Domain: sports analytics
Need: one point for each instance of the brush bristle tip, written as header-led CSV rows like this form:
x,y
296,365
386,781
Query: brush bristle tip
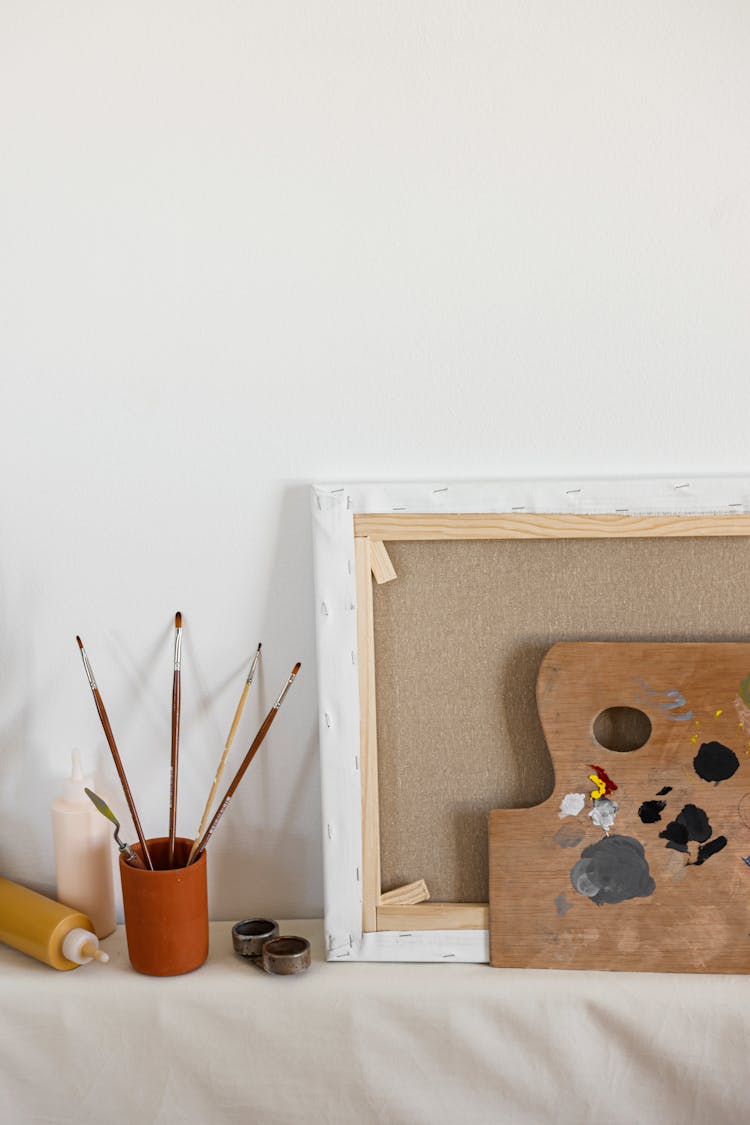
x,y
178,620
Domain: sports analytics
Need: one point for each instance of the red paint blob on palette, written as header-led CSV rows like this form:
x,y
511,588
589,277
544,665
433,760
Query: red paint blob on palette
x,y
609,785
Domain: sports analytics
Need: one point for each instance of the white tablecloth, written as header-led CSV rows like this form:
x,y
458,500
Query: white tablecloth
x,y
360,1043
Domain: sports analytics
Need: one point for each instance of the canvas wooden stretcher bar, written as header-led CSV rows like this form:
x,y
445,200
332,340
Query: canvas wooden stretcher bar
x,y
435,605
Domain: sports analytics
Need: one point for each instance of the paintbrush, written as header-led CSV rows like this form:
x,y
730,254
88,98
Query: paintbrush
x,y
225,755
264,728
175,736
131,857
115,753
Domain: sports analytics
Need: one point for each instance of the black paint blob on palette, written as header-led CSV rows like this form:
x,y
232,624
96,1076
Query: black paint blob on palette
x,y
650,811
715,762
709,849
690,824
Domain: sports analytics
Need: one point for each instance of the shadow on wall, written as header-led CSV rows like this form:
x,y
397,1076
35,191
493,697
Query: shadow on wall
x,y
276,869
278,863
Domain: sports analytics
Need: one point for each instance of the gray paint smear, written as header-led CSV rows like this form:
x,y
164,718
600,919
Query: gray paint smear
x,y
562,906
677,700
613,870
672,701
569,835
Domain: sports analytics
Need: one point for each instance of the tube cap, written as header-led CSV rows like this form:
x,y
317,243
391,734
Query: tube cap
x,y
81,946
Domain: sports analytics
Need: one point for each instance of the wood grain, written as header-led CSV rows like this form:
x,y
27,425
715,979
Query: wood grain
x,y
408,895
698,917
382,567
368,759
413,526
435,916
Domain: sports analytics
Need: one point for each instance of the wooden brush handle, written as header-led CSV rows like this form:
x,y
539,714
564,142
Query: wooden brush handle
x,y
121,774
220,770
235,782
173,766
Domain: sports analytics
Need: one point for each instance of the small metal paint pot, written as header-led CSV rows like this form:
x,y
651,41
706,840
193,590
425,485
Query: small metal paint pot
x,y
249,936
286,955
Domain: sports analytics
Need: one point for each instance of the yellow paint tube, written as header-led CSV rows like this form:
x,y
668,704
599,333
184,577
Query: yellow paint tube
x,y
45,929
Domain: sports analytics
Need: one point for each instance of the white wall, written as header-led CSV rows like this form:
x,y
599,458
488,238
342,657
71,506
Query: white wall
x,y
246,246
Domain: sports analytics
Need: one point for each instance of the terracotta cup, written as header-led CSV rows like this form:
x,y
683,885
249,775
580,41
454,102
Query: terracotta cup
x,y
166,910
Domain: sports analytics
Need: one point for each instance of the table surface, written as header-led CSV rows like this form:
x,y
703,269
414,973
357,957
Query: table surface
x,y
359,1043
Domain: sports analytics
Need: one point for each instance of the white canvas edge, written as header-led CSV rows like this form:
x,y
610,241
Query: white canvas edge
x,y
333,510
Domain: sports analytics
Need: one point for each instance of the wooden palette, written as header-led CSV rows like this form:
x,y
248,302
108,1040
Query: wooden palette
x,y
670,894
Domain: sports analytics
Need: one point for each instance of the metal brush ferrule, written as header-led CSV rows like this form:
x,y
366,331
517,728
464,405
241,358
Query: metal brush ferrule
x,y
253,666
283,691
178,649
88,669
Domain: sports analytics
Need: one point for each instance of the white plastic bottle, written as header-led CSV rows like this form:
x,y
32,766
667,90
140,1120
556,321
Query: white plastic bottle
x,y
83,853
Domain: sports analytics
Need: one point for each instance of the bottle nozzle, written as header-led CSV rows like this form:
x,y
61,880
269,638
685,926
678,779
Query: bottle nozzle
x,y
88,949
74,785
81,946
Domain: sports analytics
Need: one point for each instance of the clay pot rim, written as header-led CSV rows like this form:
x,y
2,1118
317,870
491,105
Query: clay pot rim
x,y
138,872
